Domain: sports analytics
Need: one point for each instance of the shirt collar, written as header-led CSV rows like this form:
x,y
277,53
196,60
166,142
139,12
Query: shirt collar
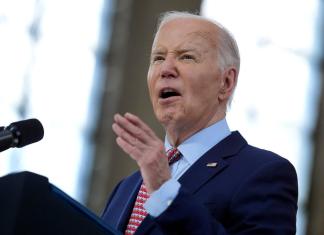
x,y
199,143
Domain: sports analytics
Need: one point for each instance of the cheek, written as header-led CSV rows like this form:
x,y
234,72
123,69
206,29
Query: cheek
x,y
203,91
150,83
151,94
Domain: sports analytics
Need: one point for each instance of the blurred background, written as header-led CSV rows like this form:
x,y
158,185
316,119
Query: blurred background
x,y
73,64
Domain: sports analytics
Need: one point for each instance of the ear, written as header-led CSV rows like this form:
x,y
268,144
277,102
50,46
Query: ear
x,y
228,84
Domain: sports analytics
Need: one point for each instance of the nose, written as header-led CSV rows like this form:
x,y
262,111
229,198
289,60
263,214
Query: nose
x,y
169,68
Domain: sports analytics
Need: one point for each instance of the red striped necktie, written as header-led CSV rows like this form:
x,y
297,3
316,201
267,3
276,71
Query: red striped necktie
x,y
139,213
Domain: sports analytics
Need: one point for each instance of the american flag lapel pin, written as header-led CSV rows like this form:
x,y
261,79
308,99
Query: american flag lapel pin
x,y
211,164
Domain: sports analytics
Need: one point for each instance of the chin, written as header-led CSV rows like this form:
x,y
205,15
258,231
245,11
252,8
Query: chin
x,y
169,119
165,117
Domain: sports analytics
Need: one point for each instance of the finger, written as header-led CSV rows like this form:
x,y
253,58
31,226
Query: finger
x,y
139,123
132,129
120,132
129,149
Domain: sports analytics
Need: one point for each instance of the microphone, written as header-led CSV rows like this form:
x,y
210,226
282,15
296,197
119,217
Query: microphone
x,y
21,133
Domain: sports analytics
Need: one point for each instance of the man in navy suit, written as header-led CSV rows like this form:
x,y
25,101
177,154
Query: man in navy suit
x,y
220,184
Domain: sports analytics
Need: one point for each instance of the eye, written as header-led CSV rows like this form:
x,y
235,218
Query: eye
x,y
157,58
187,57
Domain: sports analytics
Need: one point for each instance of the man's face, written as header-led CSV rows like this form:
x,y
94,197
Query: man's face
x,y
183,79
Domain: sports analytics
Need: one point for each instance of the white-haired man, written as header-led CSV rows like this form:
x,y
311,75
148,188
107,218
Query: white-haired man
x,y
204,179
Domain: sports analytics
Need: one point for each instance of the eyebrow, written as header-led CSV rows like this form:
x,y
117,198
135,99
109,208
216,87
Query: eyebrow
x,y
178,51
157,52
185,50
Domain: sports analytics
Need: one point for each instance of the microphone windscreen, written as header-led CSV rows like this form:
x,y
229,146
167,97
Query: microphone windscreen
x,y
27,131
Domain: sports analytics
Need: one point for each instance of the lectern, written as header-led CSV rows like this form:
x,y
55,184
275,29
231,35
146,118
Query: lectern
x,y
30,205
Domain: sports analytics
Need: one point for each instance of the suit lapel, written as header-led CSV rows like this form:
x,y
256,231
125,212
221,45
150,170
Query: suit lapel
x,y
211,163
201,173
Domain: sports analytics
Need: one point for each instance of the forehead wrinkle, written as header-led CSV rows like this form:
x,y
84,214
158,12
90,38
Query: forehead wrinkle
x,y
206,36
188,45
196,45
180,48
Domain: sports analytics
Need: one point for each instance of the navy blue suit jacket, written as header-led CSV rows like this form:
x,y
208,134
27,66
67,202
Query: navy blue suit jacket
x,y
250,191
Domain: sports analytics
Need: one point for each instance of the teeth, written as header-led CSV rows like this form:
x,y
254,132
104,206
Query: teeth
x,y
168,90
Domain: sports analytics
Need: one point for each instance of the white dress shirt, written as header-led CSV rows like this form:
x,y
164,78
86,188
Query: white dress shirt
x,y
191,149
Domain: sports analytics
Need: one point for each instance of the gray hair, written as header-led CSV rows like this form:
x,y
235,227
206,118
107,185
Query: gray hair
x,y
227,49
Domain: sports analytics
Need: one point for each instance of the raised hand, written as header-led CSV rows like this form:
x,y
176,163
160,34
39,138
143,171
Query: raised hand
x,y
139,141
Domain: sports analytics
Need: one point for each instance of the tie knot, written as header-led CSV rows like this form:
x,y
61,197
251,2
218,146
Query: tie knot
x,y
173,155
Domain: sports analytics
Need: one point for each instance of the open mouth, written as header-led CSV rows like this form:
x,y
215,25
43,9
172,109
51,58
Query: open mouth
x,y
168,92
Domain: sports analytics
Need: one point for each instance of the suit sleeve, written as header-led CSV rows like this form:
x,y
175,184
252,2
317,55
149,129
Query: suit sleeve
x,y
264,203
